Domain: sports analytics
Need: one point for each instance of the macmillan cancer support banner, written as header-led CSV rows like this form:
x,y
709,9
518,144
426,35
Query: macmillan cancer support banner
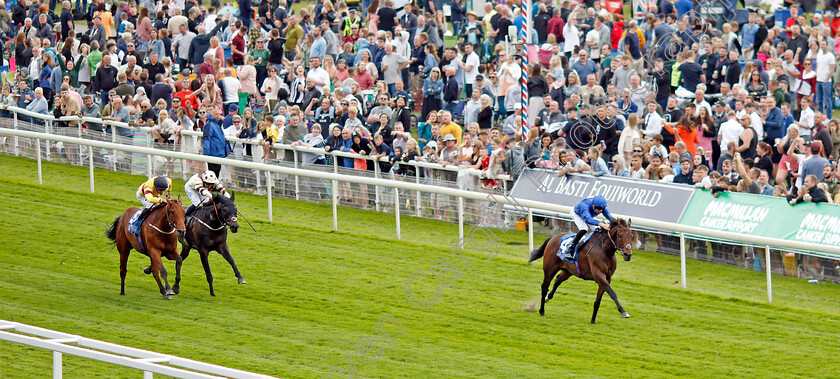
x,y
625,196
765,216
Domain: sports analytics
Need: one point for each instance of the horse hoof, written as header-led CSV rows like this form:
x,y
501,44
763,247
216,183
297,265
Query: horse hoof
x,y
242,281
147,270
625,315
592,322
176,290
167,297
170,292
542,313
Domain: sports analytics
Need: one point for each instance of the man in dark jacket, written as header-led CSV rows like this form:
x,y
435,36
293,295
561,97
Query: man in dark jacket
x,y
213,140
451,92
810,192
201,42
105,79
161,90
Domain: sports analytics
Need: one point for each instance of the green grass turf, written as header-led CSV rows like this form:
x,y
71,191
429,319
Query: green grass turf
x,y
313,293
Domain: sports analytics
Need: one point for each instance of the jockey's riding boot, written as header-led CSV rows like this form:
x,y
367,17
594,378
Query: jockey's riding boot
x,y
571,252
189,210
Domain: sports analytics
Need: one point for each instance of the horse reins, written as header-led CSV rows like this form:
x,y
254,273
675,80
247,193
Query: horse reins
x,y
225,223
613,241
168,220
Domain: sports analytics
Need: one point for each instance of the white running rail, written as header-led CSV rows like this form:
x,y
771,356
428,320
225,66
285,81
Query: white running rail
x,y
147,361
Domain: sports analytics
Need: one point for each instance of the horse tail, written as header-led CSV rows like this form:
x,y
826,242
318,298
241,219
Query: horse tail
x,y
111,232
538,252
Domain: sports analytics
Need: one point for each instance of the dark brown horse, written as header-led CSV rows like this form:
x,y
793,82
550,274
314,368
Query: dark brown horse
x,y
207,231
596,259
159,240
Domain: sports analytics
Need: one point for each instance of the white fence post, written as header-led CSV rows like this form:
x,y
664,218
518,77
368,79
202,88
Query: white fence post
x,y
769,274
682,259
297,178
149,156
397,210
38,153
460,218
15,126
148,375
530,229
335,194
376,187
57,368
90,161
417,180
269,182
113,140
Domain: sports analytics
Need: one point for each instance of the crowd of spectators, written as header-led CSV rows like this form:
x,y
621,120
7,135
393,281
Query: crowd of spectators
x,y
674,97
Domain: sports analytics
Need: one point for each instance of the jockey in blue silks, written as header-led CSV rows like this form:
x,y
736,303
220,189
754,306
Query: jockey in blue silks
x,y
584,213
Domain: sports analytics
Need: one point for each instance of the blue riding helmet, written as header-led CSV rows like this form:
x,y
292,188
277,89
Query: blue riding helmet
x,y
599,201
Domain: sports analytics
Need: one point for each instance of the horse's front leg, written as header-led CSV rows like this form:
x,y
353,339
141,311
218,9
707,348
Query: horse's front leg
x,y
597,303
557,282
174,256
604,283
224,250
156,267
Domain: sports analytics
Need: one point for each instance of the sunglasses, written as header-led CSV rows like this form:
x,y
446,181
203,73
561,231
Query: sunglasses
x,y
637,151
202,112
237,122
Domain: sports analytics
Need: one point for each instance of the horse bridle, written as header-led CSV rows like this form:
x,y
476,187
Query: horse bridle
x,y
168,220
225,223
618,248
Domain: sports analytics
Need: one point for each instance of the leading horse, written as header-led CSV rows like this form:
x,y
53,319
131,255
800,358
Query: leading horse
x,y
159,239
596,261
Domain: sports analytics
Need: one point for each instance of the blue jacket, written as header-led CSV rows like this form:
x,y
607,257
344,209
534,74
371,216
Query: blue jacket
x,y
433,88
600,168
584,209
774,124
213,141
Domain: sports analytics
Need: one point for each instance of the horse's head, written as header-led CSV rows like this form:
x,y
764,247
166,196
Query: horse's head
x,y
175,215
622,237
227,210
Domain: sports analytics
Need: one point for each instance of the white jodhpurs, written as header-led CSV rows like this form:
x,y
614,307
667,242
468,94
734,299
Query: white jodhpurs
x,y
581,225
196,198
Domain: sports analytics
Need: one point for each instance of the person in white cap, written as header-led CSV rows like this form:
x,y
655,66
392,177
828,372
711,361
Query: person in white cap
x,y
199,188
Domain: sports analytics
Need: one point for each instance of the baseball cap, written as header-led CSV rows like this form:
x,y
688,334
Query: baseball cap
x,y
233,107
816,147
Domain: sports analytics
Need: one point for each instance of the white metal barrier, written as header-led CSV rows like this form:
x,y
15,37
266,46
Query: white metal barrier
x,y
527,205
147,361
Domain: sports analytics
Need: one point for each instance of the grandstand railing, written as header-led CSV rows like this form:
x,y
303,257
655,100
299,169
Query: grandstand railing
x,y
458,197
147,361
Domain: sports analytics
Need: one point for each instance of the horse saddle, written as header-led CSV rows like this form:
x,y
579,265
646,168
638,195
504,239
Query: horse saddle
x,y
134,223
565,241
134,227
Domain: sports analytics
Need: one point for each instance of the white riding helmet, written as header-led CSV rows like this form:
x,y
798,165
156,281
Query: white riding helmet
x,y
209,177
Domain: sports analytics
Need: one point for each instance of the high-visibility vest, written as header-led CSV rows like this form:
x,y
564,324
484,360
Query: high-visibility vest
x,y
349,24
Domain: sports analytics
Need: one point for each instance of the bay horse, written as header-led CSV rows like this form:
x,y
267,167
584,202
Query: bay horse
x,y
596,261
207,231
159,240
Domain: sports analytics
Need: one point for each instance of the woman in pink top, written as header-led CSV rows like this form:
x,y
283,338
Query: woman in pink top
x,y
248,76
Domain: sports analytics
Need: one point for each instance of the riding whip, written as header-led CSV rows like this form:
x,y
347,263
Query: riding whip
x,y
246,220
